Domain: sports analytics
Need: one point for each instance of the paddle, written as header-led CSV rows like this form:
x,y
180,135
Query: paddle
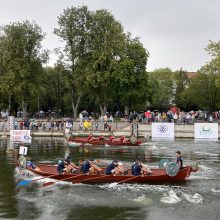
x,y
68,178
123,181
26,182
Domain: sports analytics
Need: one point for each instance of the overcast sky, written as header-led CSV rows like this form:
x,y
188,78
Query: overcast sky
x,y
175,32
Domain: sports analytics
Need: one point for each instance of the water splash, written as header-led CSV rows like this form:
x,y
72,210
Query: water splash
x,y
170,198
195,198
215,190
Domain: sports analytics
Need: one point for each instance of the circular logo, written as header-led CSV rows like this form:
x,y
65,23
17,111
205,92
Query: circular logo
x,y
162,128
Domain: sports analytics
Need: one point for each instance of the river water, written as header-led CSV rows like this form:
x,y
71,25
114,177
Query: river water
x,y
196,198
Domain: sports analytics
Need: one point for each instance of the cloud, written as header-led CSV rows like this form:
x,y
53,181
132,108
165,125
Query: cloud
x,y
174,32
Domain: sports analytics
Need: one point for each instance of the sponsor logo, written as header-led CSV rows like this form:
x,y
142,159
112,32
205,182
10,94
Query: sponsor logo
x,y
206,131
162,128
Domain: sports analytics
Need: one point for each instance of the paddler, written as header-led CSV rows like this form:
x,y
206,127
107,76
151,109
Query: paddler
x,y
90,137
71,167
111,138
101,138
89,167
179,160
123,139
138,169
61,168
114,168
30,164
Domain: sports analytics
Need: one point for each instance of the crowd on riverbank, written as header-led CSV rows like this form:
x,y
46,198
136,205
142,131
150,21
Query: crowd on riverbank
x,y
107,122
175,116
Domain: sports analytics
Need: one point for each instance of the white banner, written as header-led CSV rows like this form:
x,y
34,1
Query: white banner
x,y
23,136
162,130
206,130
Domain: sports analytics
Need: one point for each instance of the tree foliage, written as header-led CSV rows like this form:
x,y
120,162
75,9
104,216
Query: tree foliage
x,y
21,60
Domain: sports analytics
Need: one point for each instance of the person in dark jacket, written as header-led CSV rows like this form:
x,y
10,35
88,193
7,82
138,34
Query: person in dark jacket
x,y
179,159
89,167
114,169
138,169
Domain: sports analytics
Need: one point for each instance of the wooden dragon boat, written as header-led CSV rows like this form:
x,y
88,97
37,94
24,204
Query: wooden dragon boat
x,y
158,175
94,141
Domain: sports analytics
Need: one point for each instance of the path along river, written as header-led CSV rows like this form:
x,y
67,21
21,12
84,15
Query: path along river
x,y
197,198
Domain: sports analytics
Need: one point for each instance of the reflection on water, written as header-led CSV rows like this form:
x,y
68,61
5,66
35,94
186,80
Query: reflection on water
x,y
197,198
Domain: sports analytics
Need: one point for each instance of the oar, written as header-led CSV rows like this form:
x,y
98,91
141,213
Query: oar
x,y
26,182
68,178
123,181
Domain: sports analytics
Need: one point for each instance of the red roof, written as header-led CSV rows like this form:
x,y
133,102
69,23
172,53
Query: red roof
x,y
191,74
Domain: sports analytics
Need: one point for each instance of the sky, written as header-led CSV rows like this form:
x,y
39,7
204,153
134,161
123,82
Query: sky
x,y
175,32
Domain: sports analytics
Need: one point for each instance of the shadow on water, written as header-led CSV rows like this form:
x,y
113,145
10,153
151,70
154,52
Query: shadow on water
x,y
8,201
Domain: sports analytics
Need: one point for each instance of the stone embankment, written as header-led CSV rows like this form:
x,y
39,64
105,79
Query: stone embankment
x,y
181,131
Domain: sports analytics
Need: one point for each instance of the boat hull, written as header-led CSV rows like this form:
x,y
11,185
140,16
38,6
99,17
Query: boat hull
x,y
158,175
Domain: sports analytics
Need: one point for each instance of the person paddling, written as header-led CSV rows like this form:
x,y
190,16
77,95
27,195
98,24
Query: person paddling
x,y
123,139
179,159
115,169
30,164
89,167
90,137
139,169
61,167
101,138
71,167
111,138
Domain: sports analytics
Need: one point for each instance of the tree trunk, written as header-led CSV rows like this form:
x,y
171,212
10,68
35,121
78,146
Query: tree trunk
x,y
126,110
75,107
103,109
24,109
9,104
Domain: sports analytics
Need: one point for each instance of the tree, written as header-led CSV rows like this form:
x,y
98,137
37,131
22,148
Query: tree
x,y
22,59
181,82
73,31
130,76
56,86
202,91
161,88
106,46
213,66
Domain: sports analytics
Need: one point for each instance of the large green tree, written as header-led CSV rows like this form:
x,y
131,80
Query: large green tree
x,y
181,81
130,76
202,91
73,30
106,45
22,58
161,88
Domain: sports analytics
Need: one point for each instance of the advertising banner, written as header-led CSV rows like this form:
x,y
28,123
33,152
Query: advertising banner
x,y
206,130
23,136
163,130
